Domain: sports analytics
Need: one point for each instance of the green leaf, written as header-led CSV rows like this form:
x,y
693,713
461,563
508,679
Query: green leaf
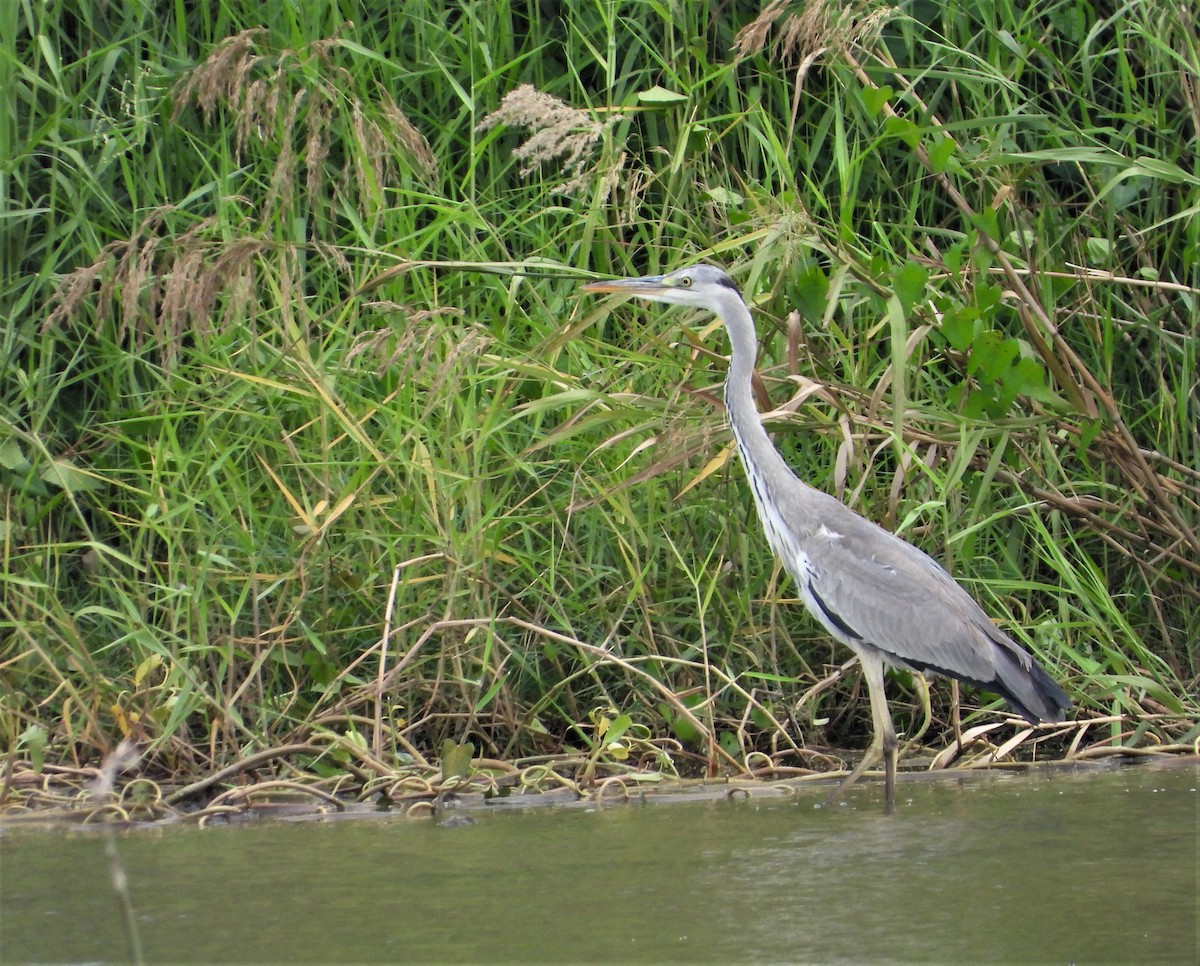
x,y
875,97
991,354
1150,168
987,222
1034,385
12,457
486,698
909,284
456,759
904,129
67,476
681,727
729,743
1099,249
660,95
1162,170
1028,376
616,728
725,197
761,719
34,739
987,299
1153,689
958,327
1088,431
940,153
812,293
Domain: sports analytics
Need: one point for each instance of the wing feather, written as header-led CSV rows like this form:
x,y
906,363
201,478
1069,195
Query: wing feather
x,y
873,589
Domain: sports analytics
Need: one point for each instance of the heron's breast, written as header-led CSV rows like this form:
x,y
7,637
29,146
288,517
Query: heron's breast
x,y
780,536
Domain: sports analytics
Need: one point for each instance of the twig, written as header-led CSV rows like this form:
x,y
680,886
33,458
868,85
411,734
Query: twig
x,y
250,761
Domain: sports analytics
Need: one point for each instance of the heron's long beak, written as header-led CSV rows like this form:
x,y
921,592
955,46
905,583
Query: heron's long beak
x,y
628,286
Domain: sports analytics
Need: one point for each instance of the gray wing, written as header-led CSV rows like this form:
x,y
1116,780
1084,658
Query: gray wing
x,y
884,593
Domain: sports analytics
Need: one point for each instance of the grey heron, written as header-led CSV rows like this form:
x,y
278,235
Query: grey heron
x,y
886,600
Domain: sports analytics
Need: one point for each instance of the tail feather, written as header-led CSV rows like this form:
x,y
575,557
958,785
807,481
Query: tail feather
x,y
1033,694
1017,677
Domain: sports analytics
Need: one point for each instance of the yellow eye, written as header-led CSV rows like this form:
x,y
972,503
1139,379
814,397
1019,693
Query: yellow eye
x,y
686,281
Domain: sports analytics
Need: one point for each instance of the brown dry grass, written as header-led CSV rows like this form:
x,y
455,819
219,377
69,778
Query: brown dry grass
x,y
805,30
289,97
159,288
561,133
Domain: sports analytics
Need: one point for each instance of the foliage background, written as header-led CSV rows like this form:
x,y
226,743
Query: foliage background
x,y
295,359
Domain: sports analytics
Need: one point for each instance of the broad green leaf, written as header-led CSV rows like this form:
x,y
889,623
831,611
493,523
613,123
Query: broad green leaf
x,y
723,196
940,153
67,476
617,727
904,129
812,292
12,457
958,327
875,97
987,223
909,284
991,354
456,759
660,95
33,740
1099,249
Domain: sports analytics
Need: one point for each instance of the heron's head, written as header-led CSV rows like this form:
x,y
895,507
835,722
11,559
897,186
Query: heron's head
x,y
705,286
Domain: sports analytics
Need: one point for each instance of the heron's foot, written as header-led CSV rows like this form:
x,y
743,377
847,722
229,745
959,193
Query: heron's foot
x,y
872,755
877,750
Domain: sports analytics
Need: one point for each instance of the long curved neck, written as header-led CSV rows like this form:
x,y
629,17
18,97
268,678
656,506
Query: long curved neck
x,y
759,455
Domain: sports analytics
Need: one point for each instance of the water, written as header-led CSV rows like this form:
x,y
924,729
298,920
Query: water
x,y
1058,867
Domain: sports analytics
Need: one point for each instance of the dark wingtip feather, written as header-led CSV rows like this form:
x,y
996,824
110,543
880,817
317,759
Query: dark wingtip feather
x,y
1031,692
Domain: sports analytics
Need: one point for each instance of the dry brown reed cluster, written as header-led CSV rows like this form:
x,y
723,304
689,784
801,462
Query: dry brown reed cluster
x,y
414,345
171,282
160,284
560,132
806,30
270,95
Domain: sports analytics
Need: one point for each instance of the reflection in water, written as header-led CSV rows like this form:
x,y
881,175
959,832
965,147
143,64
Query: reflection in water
x,y
1043,867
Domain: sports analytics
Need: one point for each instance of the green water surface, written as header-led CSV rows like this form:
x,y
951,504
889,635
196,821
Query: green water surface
x,y
1057,867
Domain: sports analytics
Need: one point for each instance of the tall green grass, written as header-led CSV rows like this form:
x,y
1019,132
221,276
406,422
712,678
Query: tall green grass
x,y
295,360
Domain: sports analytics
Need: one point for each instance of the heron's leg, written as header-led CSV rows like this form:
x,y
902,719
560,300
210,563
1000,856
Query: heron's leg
x,y
956,713
870,756
884,743
923,688
889,744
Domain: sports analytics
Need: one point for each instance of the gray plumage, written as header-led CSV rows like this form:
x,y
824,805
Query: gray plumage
x,y
882,597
